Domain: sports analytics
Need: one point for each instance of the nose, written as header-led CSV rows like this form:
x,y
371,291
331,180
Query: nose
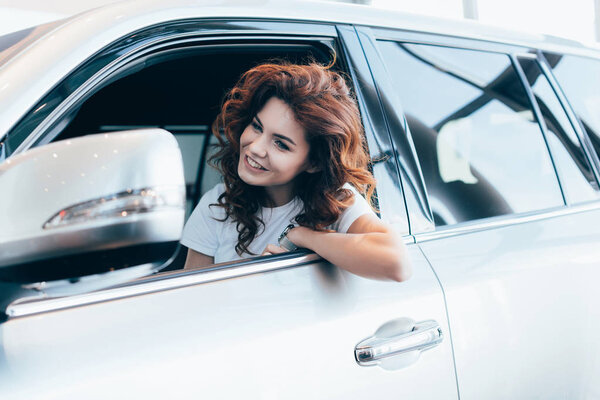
x,y
258,146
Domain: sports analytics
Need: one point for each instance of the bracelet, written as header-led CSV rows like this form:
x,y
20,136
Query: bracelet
x,y
283,240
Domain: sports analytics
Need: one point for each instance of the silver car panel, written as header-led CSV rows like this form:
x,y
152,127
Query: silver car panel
x,y
288,333
522,306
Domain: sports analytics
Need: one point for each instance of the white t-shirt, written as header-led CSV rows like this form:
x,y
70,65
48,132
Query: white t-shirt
x,y
205,234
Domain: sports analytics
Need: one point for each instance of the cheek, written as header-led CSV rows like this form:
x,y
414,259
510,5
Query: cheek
x,y
293,164
245,137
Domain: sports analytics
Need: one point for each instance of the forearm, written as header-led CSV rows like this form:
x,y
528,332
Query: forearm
x,y
379,255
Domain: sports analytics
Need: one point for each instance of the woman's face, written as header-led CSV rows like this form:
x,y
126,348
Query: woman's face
x,y
273,151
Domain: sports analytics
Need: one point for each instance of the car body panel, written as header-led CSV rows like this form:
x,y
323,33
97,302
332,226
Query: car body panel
x,y
522,302
281,334
519,289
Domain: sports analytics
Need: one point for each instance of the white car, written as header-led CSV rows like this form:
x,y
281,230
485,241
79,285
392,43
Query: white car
x,y
484,144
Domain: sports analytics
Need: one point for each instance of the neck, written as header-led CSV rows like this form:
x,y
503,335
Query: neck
x,y
279,195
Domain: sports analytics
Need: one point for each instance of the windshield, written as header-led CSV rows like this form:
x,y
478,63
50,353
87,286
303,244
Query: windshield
x,y
12,43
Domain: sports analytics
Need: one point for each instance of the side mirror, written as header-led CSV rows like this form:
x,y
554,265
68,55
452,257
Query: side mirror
x,y
89,205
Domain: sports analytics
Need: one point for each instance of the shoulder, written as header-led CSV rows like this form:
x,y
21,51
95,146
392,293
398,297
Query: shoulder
x,y
214,193
211,197
351,187
357,208
356,195
205,206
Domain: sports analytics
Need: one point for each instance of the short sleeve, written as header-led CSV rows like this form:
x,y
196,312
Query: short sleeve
x,y
349,215
201,229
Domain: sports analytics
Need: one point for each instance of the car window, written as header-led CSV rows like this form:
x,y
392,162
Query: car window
x,y
183,95
480,147
573,167
579,77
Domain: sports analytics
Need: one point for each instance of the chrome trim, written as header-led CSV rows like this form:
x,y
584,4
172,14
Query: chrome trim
x,y
441,40
85,284
146,49
162,282
118,205
423,336
501,221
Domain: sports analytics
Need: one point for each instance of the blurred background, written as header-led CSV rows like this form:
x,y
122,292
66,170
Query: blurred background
x,y
574,19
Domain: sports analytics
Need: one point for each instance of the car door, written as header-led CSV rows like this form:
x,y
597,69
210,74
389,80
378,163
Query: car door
x,y
512,200
284,326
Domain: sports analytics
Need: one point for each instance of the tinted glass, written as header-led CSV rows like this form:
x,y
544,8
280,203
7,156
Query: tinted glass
x,y
481,150
577,178
579,78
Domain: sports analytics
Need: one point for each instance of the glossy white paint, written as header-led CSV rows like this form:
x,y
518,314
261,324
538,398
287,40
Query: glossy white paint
x,y
521,297
523,307
282,334
65,173
79,37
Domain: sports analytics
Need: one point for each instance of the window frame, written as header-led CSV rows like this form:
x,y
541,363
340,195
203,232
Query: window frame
x,y
582,134
541,121
42,120
420,215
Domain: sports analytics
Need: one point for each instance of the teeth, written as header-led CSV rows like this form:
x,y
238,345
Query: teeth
x,y
253,163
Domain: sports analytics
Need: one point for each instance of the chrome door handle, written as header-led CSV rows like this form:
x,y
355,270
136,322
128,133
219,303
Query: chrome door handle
x,y
398,337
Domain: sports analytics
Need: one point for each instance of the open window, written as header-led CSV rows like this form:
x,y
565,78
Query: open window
x,y
180,89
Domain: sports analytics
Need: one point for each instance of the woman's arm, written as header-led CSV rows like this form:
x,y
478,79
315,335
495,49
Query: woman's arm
x,y
196,260
370,248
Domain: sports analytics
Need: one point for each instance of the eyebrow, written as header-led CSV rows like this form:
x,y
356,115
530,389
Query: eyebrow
x,y
277,135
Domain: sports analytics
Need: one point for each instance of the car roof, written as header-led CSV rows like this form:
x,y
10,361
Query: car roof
x,y
72,40
340,12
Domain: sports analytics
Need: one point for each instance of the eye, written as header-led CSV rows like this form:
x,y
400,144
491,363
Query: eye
x,y
281,145
256,126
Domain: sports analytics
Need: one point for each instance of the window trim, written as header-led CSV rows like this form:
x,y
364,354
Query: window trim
x,y
514,58
162,282
54,106
502,221
42,133
179,279
588,148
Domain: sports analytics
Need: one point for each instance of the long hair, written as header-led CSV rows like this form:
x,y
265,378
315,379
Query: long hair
x,y
324,106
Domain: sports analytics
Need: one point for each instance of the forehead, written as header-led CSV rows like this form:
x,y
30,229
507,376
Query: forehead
x,y
277,117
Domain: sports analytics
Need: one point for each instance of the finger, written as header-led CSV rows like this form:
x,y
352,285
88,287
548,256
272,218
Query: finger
x,y
273,249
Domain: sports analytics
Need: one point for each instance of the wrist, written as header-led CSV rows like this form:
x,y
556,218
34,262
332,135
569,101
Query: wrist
x,y
300,236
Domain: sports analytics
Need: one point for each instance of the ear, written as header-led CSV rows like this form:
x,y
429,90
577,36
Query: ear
x,y
312,169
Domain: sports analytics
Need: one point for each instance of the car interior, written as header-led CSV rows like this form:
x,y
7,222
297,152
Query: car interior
x,y
181,91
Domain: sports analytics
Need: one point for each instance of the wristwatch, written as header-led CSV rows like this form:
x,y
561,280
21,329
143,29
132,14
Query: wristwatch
x,y
284,242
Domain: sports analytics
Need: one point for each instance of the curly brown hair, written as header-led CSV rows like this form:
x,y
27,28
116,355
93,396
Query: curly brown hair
x,y
325,107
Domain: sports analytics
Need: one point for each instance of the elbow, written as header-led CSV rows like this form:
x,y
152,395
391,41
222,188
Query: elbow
x,y
400,271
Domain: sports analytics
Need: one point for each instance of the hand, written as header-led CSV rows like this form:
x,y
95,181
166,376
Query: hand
x,y
302,235
273,249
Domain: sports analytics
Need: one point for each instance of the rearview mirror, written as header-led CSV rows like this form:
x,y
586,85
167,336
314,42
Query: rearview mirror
x,y
89,205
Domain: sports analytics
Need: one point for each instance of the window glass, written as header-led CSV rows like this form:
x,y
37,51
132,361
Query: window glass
x,y
481,150
579,78
577,178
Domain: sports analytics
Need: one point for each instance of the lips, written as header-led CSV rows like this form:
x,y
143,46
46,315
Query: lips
x,y
255,165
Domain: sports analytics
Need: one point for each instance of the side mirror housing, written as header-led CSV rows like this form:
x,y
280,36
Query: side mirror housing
x,y
90,205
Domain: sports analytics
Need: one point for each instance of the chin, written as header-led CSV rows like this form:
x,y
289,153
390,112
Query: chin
x,y
247,178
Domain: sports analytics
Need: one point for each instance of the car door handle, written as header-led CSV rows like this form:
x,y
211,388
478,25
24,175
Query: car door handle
x,y
401,341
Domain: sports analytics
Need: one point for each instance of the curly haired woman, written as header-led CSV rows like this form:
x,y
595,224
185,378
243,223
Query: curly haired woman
x,y
293,159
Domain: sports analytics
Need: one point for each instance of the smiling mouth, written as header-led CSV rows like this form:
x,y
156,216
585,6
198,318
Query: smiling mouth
x,y
254,164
